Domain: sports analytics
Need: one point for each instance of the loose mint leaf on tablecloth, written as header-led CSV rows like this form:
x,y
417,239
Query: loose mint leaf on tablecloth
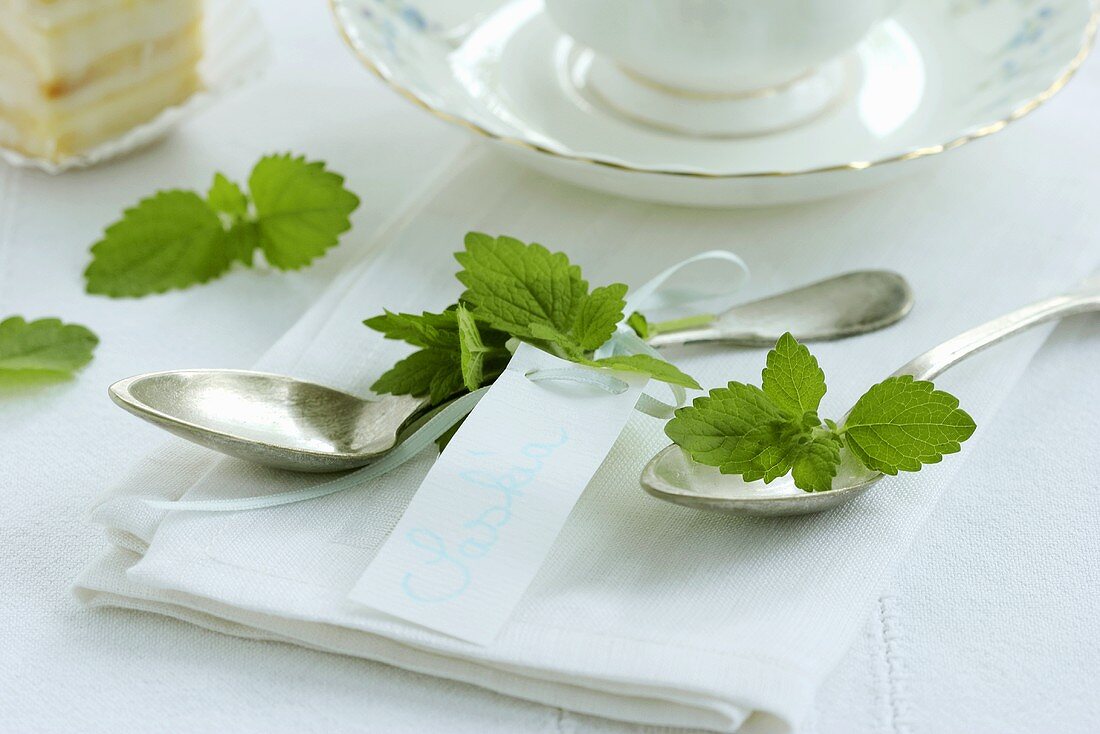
x,y
598,316
301,208
46,345
432,371
226,197
658,369
177,238
711,428
901,424
514,285
793,379
173,239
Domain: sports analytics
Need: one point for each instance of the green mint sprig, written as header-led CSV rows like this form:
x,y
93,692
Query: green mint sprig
x,y
46,345
293,212
773,430
516,291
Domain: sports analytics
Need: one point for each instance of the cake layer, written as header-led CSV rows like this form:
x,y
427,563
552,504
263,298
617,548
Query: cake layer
x,y
61,52
63,134
46,14
20,89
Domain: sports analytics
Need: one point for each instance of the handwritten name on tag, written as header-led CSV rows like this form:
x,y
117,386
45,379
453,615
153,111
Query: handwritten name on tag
x,y
487,513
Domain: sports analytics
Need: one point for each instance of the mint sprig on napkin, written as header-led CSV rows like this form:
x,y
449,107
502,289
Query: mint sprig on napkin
x,y
773,430
514,290
45,345
293,212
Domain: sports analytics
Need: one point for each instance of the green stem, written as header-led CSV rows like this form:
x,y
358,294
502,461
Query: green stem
x,y
688,322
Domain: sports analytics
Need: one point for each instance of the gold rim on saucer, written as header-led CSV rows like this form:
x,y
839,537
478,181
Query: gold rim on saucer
x,y
925,152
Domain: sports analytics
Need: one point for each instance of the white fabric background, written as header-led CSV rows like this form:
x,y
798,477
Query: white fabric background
x,y
984,628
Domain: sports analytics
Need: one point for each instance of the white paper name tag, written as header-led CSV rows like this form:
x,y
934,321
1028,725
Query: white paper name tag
x,y
483,521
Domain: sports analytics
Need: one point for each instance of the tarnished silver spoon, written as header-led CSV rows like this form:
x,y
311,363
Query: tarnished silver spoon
x,y
674,477
290,424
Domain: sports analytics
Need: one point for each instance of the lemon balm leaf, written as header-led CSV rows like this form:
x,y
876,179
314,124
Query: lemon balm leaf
x,y
301,209
657,369
814,463
472,350
226,197
420,330
764,433
514,285
713,426
172,239
175,239
45,345
792,378
901,424
433,372
599,315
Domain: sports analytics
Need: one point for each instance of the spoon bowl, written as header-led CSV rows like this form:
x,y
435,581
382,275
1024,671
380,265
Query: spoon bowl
x,y
674,477
268,419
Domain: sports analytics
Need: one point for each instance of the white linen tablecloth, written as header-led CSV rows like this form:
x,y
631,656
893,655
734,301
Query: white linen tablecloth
x,y
984,628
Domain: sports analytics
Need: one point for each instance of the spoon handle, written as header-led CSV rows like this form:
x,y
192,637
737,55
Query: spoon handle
x,y
845,305
933,362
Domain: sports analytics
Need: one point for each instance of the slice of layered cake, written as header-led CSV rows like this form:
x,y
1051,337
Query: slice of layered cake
x,y
76,73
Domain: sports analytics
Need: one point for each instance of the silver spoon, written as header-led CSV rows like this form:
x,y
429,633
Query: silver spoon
x,y
290,424
672,476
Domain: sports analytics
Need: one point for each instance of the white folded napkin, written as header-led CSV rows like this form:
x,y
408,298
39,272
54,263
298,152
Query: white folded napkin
x,y
644,611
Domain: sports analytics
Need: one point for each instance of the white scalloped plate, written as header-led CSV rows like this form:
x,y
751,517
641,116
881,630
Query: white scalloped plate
x,y
236,52
936,76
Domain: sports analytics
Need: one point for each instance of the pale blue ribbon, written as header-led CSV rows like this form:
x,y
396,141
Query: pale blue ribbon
x,y
623,342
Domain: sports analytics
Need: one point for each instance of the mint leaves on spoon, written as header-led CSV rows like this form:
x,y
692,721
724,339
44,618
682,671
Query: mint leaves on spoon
x,y
773,430
293,212
516,291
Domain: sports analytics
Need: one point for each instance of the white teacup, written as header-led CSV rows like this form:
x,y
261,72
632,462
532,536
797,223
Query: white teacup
x,y
719,46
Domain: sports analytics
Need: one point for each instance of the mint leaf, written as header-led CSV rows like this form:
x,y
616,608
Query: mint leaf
x,y
901,424
793,379
658,369
765,452
713,426
898,425
226,197
45,345
241,242
301,208
472,350
815,463
433,372
424,330
640,324
173,239
598,316
452,341
177,238
514,285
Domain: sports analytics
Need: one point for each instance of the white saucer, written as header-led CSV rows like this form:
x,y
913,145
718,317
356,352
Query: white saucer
x,y
940,74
